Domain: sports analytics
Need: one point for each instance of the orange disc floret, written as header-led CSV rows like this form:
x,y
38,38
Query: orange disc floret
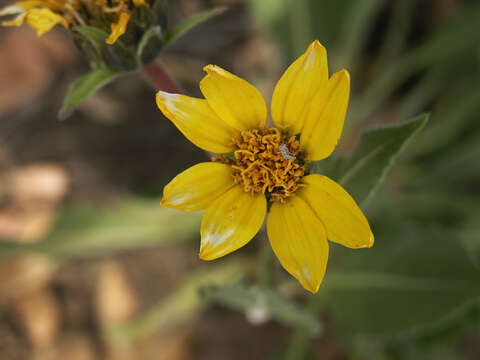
x,y
268,162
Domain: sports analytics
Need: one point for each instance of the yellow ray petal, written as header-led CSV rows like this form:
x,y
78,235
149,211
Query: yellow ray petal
x,y
17,21
324,122
234,100
196,188
118,28
343,219
299,240
297,87
20,7
43,20
197,121
230,222
139,3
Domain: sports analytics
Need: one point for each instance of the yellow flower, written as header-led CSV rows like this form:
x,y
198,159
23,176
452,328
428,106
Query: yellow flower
x,y
267,165
119,28
43,15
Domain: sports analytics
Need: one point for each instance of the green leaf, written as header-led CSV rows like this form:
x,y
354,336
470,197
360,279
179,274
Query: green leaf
x,y
150,45
181,305
357,25
260,304
459,29
365,168
84,87
132,223
415,280
96,36
470,237
178,31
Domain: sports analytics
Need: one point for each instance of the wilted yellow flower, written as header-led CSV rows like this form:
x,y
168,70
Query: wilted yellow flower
x,y
265,165
43,15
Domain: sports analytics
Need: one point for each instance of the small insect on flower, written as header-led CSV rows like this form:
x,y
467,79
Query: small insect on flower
x,y
285,153
263,165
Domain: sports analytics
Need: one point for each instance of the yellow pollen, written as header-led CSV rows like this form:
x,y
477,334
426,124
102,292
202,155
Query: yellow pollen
x,y
266,161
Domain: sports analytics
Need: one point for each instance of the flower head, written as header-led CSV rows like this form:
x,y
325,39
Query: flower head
x,y
43,15
259,165
116,34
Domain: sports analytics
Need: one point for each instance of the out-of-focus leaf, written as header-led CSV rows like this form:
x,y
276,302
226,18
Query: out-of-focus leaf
x,y
397,33
412,281
374,155
300,29
150,45
182,304
96,36
460,30
83,231
269,11
85,86
470,237
356,28
460,162
452,119
288,21
263,303
417,99
178,31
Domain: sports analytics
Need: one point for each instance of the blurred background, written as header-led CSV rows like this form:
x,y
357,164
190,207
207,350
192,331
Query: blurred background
x,y
91,267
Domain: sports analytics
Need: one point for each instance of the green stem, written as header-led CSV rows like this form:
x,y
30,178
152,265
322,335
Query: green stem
x,y
301,340
160,78
268,264
300,25
299,346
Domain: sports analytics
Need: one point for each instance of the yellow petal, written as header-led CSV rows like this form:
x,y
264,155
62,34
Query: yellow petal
x,y
343,219
324,122
197,121
234,100
17,21
118,28
139,3
43,20
196,188
296,88
299,240
230,222
21,6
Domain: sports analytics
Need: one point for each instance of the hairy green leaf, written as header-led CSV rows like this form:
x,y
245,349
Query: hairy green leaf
x,y
84,87
181,305
178,31
96,36
87,230
365,168
261,303
415,280
150,45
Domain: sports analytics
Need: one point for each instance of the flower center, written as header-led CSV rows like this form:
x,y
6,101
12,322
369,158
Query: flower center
x,y
266,162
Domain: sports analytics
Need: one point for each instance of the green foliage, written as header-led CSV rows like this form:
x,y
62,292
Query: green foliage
x,y
182,305
357,25
419,278
95,35
151,40
362,172
89,230
119,56
84,87
136,48
181,29
262,303
411,282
